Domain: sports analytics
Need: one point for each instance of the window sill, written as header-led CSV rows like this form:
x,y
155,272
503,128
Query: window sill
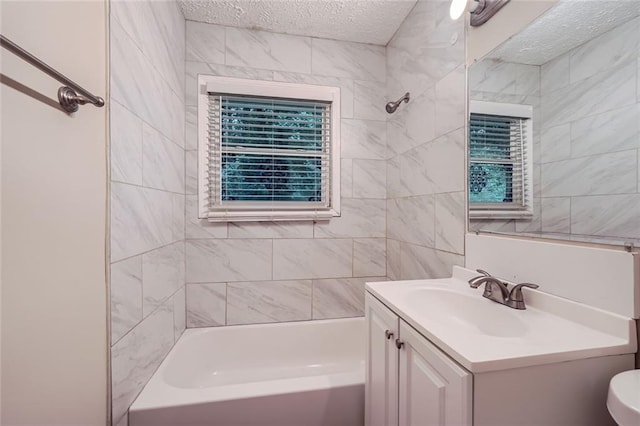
x,y
500,214
271,216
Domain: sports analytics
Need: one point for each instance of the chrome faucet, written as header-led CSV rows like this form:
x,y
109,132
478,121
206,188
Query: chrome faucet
x,y
498,291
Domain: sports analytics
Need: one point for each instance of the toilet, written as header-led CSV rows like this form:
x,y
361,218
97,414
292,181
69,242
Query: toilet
x,y
623,400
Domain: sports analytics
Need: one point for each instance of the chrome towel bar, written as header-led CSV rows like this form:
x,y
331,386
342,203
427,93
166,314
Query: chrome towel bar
x,y
67,94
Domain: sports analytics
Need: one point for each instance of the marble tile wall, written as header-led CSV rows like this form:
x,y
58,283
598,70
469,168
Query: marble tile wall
x,y
425,144
147,122
240,273
587,142
591,155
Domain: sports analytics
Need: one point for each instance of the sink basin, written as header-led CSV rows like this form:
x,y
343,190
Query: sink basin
x,y
482,335
469,311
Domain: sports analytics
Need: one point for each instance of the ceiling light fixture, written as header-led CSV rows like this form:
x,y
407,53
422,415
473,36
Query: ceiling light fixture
x,y
481,10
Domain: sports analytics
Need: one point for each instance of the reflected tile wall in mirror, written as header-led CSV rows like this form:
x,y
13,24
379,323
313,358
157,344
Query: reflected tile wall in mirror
x,y
586,135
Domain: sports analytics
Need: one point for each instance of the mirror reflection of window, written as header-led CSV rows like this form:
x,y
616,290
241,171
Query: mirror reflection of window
x,y
499,160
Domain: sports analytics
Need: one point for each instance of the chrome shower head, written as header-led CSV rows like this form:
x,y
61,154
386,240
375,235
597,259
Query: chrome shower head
x,y
391,107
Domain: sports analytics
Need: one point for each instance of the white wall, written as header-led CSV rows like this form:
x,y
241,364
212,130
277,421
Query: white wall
x,y
256,272
512,18
54,318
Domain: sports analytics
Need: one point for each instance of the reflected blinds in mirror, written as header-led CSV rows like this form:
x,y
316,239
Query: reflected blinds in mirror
x,y
497,155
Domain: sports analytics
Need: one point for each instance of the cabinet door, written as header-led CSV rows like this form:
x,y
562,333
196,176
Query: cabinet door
x,y
434,390
381,382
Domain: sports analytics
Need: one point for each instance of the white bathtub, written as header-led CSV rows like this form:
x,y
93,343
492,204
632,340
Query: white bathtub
x,y
298,373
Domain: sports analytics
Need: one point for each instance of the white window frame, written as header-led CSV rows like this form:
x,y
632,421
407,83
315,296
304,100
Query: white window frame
x,y
510,110
237,86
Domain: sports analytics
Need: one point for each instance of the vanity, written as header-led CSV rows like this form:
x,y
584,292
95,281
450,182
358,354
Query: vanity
x,y
439,353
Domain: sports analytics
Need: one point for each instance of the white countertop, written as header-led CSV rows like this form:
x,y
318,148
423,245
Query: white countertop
x,y
482,335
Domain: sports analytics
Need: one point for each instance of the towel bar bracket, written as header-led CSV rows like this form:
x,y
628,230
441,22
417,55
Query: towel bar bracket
x,y
70,100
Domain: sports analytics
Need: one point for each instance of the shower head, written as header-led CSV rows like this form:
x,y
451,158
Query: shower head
x,y
391,107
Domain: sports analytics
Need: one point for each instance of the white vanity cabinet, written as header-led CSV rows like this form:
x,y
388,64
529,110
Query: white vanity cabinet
x,y
409,381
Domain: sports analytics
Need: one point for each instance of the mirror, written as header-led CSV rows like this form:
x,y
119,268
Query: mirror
x,y
572,167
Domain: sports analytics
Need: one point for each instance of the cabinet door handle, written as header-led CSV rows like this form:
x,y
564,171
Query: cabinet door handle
x,y
399,344
388,334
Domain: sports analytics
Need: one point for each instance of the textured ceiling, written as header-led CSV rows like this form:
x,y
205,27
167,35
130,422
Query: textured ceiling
x,y
567,25
365,21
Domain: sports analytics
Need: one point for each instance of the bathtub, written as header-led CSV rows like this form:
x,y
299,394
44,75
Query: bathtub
x,y
298,373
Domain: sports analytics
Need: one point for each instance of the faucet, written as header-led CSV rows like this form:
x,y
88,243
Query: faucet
x,y
498,291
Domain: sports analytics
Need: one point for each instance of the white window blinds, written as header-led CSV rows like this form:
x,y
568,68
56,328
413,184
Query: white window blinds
x,y
499,172
268,158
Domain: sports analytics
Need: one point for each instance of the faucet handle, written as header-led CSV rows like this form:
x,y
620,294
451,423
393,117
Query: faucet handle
x,y
516,299
474,282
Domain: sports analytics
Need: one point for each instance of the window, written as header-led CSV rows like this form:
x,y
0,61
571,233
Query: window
x,y
267,150
499,161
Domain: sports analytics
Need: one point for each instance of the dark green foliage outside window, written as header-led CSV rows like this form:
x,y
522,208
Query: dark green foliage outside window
x,y
271,150
491,167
